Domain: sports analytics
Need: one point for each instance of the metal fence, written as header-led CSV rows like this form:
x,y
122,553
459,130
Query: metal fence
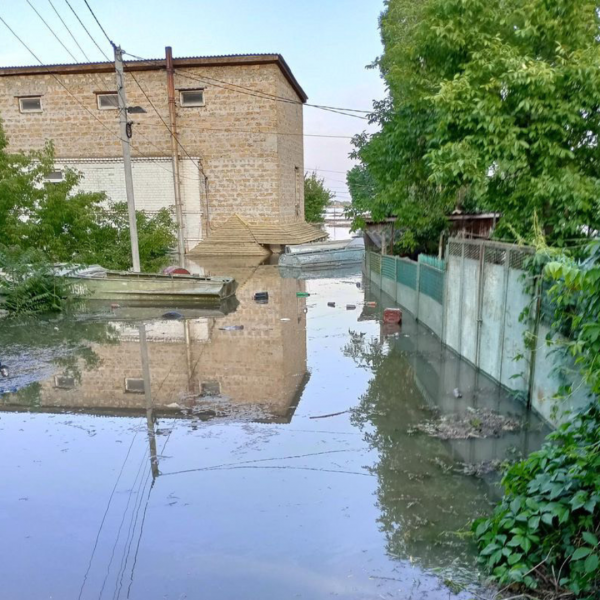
x,y
474,301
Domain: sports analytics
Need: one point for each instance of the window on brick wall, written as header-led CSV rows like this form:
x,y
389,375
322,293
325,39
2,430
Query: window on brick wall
x,y
134,385
108,101
191,97
29,104
55,177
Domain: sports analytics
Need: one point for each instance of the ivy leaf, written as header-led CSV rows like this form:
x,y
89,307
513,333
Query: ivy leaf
x,y
591,563
590,538
581,553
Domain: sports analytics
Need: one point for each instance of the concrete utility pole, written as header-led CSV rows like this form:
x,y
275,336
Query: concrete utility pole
x,y
175,153
125,134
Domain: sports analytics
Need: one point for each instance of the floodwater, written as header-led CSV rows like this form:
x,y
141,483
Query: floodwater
x,y
168,459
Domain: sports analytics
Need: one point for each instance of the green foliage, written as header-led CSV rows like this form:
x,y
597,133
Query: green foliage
x,y
544,534
28,284
493,105
69,225
575,296
517,125
362,189
316,198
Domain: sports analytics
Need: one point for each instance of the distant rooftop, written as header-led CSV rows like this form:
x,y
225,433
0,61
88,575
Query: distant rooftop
x,y
148,64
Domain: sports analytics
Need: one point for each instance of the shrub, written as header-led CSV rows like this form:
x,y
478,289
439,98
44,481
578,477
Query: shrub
x,y
545,533
29,285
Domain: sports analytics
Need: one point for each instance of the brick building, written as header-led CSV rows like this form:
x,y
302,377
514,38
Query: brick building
x,y
240,126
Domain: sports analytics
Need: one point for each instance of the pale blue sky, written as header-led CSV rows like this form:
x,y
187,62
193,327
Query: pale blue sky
x,y
327,44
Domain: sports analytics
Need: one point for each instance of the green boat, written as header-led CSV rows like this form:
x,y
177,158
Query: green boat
x,y
140,289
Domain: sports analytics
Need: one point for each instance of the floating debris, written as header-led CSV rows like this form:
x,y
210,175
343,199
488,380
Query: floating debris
x,y
477,423
457,393
331,304
350,306
232,328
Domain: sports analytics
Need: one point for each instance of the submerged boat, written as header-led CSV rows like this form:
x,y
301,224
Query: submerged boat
x,y
141,289
324,255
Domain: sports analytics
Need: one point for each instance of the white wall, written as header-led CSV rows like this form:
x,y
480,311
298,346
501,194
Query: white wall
x,y
152,183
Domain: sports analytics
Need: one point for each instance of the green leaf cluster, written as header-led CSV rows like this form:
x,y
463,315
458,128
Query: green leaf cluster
x,y
544,534
28,284
493,105
68,225
316,198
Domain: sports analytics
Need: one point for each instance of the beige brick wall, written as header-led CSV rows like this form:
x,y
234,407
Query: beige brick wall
x,y
291,154
250,172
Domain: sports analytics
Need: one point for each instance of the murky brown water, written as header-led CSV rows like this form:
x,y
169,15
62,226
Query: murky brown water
x,y
221,481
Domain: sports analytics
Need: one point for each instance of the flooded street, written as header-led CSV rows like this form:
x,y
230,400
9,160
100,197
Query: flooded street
x,y
300,456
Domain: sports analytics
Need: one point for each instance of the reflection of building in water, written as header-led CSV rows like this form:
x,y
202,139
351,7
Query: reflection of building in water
x,y
263,364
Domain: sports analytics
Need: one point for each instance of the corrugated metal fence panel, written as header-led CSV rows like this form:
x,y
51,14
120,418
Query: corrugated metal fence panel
x,y
388,267
407,273
431,282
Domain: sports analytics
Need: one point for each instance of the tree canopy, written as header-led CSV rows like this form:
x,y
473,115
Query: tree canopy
x,y
493,105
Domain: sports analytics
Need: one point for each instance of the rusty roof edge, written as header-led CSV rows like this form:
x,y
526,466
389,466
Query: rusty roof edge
x,y
159,63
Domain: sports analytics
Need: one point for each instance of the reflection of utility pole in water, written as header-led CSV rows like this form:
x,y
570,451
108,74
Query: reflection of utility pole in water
x,y
188,356
149,406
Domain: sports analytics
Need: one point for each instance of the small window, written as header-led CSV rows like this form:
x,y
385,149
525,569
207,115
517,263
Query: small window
x,y
63,382
108,101
55,177
134,386
30,104
191,97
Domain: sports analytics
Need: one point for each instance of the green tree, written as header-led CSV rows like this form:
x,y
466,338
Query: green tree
x,y
492,105
518,124
316,198
68,225
363,191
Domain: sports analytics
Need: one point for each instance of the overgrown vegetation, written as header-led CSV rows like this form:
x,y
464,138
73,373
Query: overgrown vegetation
x,y
68,225
29,285
316,198
493,105
545,534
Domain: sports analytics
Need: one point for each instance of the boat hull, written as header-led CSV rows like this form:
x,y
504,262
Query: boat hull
x,y
144,289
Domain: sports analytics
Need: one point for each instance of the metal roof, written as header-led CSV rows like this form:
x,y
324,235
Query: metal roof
x,y
159,63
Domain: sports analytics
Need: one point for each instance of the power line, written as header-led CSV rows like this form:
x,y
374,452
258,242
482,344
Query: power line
x,y
70,32
86,30
52,31
290,100
325,170
99,24
276,97
236,130
59,81
107,508
264,95
165,123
